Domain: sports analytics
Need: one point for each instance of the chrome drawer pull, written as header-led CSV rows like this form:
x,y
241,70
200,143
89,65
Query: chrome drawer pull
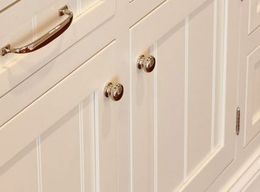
x,y
45,39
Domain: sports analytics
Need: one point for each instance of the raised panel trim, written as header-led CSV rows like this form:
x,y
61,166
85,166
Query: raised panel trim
x,y
251,171
226,149
254,15
252,121
165,10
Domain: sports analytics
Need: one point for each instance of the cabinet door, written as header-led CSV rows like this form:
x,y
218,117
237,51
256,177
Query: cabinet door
x,y
250,71
183,113
67,140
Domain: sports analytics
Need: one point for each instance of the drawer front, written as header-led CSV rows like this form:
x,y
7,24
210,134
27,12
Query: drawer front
x,y
23,27
254,18
68,132
57,69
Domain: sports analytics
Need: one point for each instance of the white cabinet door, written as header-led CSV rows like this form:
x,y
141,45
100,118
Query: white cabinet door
x,y
183,113
67,140
250,71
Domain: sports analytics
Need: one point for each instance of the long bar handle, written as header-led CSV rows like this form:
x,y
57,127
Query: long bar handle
x,y
45,39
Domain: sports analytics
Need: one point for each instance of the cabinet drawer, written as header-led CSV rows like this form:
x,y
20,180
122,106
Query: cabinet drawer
x,y
23,27
57,69
254,17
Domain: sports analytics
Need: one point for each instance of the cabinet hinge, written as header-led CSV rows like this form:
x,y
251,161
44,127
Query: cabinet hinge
x,y
238,121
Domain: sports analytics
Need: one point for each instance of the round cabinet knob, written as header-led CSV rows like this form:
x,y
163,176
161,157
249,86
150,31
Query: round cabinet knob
x,y
114,91
146,63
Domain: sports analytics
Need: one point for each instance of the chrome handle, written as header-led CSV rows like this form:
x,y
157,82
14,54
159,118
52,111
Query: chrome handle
x,y
45,39
146,63
114,91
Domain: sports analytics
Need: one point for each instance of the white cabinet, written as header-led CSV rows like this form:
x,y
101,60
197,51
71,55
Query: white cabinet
x,y
250,71
242,174
185,66
182,115
67,140
23,27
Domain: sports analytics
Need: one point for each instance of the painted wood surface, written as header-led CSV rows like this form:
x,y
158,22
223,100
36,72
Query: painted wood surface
x,y
181,133
254,15
174,130
249,73
74,130
27,26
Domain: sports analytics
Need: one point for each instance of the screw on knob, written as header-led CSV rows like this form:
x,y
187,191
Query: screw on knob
x,y
114,91
146,63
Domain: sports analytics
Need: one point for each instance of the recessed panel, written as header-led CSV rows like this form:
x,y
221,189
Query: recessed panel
x,y
68,160
171,108
60,154
200,84
253,95
178,130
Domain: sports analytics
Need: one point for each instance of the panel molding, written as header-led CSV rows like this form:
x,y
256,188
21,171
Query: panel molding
x,y
250,173
252,118
221,49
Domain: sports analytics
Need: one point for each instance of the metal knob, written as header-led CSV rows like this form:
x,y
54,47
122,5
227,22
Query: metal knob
x,y
114,91
146,63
